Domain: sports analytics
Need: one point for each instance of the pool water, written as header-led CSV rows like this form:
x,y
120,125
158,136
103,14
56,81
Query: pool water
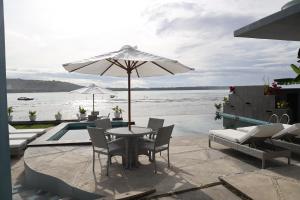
x,y
80,134
76,131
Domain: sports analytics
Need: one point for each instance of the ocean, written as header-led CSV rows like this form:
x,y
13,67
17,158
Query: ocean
x,y
192,111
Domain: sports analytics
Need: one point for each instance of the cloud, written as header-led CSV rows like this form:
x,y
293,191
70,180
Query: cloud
x,y
198,33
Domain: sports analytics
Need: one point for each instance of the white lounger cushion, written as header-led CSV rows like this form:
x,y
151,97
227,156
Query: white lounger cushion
x,y
17,143
14,130
250,128
292,129
262,131
24,136
230,134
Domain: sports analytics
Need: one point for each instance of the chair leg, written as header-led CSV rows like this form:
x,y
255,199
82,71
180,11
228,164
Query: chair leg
x,y
93,160
160,153
150,156
168,158
263,163
155,171
107,165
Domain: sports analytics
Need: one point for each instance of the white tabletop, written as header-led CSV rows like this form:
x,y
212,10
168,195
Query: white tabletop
x,y
124,131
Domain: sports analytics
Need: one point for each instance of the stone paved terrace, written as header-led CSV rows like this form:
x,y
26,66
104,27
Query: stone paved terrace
x,y
193,166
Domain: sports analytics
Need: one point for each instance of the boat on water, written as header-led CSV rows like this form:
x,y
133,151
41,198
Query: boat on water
x,y
25,99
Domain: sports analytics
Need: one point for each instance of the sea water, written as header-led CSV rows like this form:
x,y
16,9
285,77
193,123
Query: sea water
x,y
192,111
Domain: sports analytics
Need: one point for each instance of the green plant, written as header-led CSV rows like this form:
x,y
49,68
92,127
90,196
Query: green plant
x,y
32,113
82,110
10,110
218,106
117,109
226,100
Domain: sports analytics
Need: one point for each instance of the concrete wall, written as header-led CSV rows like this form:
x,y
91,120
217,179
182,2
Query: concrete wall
x,y
250,101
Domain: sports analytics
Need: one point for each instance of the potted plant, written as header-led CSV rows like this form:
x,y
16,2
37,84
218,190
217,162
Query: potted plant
x,y
117,111
82,113
9,111
58,116
32,115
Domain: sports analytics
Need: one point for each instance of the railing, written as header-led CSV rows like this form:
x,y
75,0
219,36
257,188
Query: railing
x,y
274,116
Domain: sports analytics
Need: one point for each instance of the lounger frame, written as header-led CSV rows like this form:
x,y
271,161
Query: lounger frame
x,y
293,147
268,153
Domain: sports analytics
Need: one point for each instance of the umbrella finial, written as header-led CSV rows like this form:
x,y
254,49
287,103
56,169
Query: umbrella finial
x,y
128,47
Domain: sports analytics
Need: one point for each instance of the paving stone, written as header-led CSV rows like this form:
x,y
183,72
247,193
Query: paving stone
x,y
193,164
277,183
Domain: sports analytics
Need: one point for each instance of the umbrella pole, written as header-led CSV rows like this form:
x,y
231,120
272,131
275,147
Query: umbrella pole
x,y
93,104
129,100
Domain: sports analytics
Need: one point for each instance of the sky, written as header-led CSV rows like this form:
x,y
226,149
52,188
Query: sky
x,y
41,35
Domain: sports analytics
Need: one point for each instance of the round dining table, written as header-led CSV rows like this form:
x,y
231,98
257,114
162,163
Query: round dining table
x,y
131,142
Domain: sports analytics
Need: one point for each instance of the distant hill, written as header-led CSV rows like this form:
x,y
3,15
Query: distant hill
x,y
27,86
174,88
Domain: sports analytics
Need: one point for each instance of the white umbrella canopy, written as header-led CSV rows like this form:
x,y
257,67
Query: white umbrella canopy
x,y
92,89
127,62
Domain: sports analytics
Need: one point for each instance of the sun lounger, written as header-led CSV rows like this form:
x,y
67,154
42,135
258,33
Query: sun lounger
x,y
15,131
288,138
253,142
23,136
17,146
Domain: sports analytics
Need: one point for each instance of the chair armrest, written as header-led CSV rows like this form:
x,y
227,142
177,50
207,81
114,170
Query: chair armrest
x,y
119,141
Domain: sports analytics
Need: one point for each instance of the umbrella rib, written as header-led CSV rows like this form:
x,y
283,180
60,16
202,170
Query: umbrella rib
x,y
117,64
139,65
107,69
116,61
83,66
137,72
133,64
162,67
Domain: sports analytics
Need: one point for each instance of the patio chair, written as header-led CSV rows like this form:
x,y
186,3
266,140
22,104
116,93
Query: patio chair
x,y
102,146
159,144
105,124
252,143
288,138
154,124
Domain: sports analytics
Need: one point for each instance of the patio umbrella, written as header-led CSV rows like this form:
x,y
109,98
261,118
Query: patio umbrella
x,y
92,89
127,62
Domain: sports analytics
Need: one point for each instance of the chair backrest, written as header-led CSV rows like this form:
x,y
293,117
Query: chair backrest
x,y
103,123
163,135
98,138
155,123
